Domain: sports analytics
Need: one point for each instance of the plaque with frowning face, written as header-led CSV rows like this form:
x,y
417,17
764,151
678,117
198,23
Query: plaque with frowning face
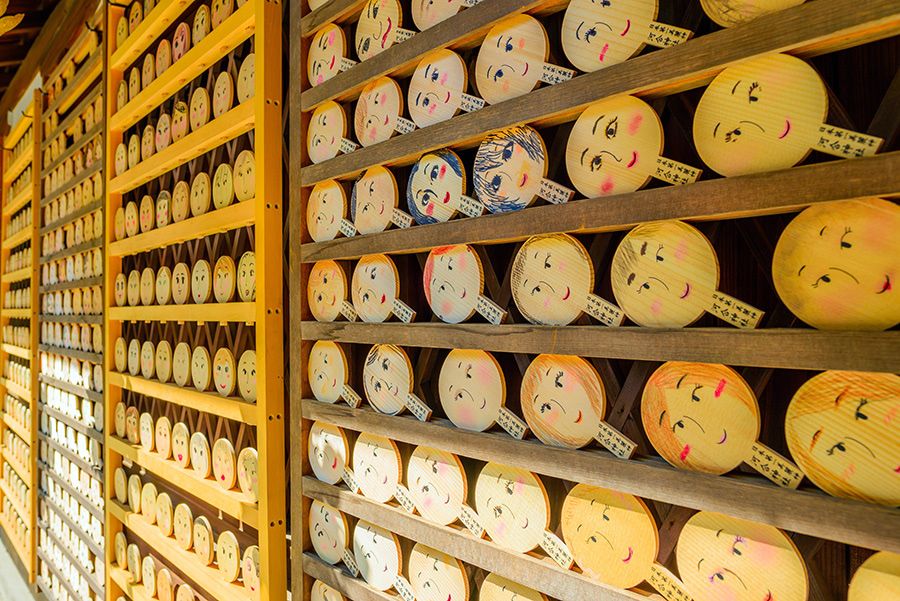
x,y
328,47
453,279
377,27
436,183
372,200
878,577
375,285
497,588
327,371
326,290
600,34
246,277
729,13
223,94
246,78
328,450
436,87
840,428
377,553
250,570
436,576
181,41
511,58
248,472
379,105
377,466
513,506
246,375
723,557
427,13
509,167
437,484
387,378
836,263
325,208
245,176
472,389
328,532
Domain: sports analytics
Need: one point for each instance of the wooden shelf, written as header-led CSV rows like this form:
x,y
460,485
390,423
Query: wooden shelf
x,y
63,578
756,499
75,424
74,250
154,25
84,210
232,502
222,40
72,457
16,427
335,11
20,391
77,145
18,202
11,277
94,547
24,473
206,577
62,482
209,402
23,235
82,283
88,319
234,216
71,353
22,550
16,167
80,391
14,501
235,122
72,183
16,351
810,29
18,130
16,313
206,313
125,581
90,578
74,114
89,71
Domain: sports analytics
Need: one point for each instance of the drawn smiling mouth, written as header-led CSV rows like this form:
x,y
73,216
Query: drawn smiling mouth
x,y
448,97
629,556
446,197
602,54
724,437
634,157
787,129
384,37
627,27
331,64
687,290
886,287
567,294
579,418
525,71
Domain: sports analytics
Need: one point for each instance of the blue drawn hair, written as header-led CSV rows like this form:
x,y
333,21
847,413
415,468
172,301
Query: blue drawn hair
x,y
447,156
490,156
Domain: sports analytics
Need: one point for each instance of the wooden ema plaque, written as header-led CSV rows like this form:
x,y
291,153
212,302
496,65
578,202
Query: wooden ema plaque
x,y
326,132
877,578
427,13
246,379
248,473
201,27
453,279
327,54
436,189
328,532
250,571
224,463
835,265
328,371
228,556
615,147
373,202
472,390
729,13
704,417
221,10
840,428
388,382
596,35
375,289
223,94
722,557
437,88
666,274
552,283
326,209
437,484
436,576
379,28
326,290
328,450
322,592
768,113
513,506
497,588
378,112
377,553
377,467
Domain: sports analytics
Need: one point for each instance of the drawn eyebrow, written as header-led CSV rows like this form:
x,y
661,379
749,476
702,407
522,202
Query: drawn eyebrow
x,y
584,152
801,270
418,96
630,279
822,231
839,398
815,439
661,415
718,532
698,564
716,128
594,130
735,86
680,380
643,249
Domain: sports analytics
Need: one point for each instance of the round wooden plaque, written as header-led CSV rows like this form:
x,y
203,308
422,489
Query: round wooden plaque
x,y
497,588
379,105
327,371
180,443
224,279
185,593
163,57
121,159
760,115
121,546
121,33
145,431
840,429
164,514
148,70
179,120
121,356
131,425
511,58
322,592
248,473
133,558
181,363
436,183
200,453
181,201
163,286
509,167
596,35
147,142
203,540
373,199
223,94
377,27
201,24
250,570
201,373
328,532
835,265
729,13
120,292
723,557
134,493
224,463
148,575
147,286
326,290
323,61
181,283
513,506
223,186
148,502
427,13
163,437
132,220
134,88
378,554
246,78
224,372
163,361
246,277
245,176
120,484
436,576
221,10
200,109
328,450
246,379
200,194
147,213
181,41
326,206
387,378
877,578
453,279
663,273
437,484
164,585
228,556
472,389
436,87
375,285
183,520
163,209
135,16
377,466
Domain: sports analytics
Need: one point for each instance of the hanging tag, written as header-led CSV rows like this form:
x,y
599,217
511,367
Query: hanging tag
x,y
773,466
665,36
346,64
512,423
404,588
347,228
615,442
555,193
471,2
401,493
490,310
471,520
554,74
401,35
349,479
350,395
404,125
241,526
469,206
603,311
667,584
142,471
403,311
127,462
350,562
417,407
845,143
401,219
674,172
470,103
735,312
348,311
348,146
557,549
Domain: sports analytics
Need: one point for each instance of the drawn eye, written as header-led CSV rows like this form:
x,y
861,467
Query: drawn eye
x,y
592,538
545,407
536,289
859,414
659,257
558,380
844,243
365,45
365,297
434,76
509,46
717,576
498,511
589,34
498,74
495,183
434,173
612,128
509,487
678,424
754,87
469,373
837,447
826,279
507,151
385,364
596,163
734,549
694,396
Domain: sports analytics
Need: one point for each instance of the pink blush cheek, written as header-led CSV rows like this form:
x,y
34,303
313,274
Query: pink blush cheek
x,y
466,415
442,469
500,529
635,123
521,43
607,186
331,38
505,87
431,109
656,307
383,98
765,555
443,79
889,418
519,486
681,250
319,79
485,373
427,503
446,307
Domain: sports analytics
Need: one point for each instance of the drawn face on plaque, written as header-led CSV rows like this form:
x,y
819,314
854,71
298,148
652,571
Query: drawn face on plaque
x,y
250,570
878,575
163,208
223,94
221,10
427,13
200,370
148,359
181,41
436,181
377,466
246,78
326,289
497,588
327,371
837,428
835,265
223,279
246,277
121,33
163,436
148,71
376,28
327,451
700,416
134,356
135,16
201,286
436,87
597,34
224,463
245,175
322,592
453,280
148,279
199,115
511,58
509,166
134,493
203,540
147,142
121,485
181,444
471,388
228,556
551,278
179,120
563,400
148,502
326,206
513,506
183,521
722,557
163,56
379,105
377,551
729,13
248,472
163,286
387,378
328,47
121,354
760,115
662,274
163,132
436,576
374,287
133,557
199,451
181,363
437,484
224,372
185,593
121,546
246,375
201,24
328,532
611,534
372,200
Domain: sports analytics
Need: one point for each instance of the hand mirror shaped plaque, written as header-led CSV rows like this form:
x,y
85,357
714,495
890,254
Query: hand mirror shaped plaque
x,y
375,289
723,557
326,210
378,112
322,592
377,552
472,391
511,171
841,429
436,188
326,290
373,203
497,588
614,539
877,577
437,88
552,283
835,265
600,33
564,403
377,467
328,450
729,13
326,133
437,484
616,146
768,113
453,278
436,576
329,374
327,55
512,60
666,275
379,28
328,532
704,417
388,382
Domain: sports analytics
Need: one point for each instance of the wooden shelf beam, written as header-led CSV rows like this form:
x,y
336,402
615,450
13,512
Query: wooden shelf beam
x,y
18,202
206,313
154,24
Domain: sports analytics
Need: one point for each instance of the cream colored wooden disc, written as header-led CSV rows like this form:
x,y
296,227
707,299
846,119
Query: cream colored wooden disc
x,y
328,532
224,372
427,13
132,220
147,286
377,553
877,578
700,416
148,575
472,389
224,463
133,557
437,484
228,556
201,372
436,576
163,361
327,371
729,13
511,58
375,285
120,290
223,186
436,183
723,557
204,546
377,27
221,10
121,359
163,132
250,570
148,502
246,277
326,206
326,127
133,292
663,274
201,194
377,110
181,201
148,70
121,159
134,493
146,432
120,484
164,514
134,151
163,286
322,592
119,224
377,466
328,450
372,200
436,87
164,585
135,16
181,41
201,282
163,56
200,454
163,437
134,84
513,506
387,378
163,208
246,376
497,588
179,120
147,213
121,32
121,545
323,59
181,283
326,290
185,593
131,425
183,520
760,115
841,430
248,473
453,280
180,444
597,35
202,24
245,176
246,79
224,279
200,109
835,265
509,167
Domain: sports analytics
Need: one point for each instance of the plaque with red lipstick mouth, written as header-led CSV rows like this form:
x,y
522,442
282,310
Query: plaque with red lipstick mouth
x,y
378,113
329,532
379,27
437,89
436,189
375,289
327,55
328,449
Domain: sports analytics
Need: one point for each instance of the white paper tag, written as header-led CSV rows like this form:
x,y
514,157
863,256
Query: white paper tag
x,y
404,588
615,442
346,64
350,562
401,35
471,520
348,311
403,311
512,423
401,493
603,311
127,462
401,219
470,103
353,399
417,407
490,310
667,584
348,146
556,549
773,466
674,172
665,36
469,206
347,228
846,144
555,193
349,479
404,125
734,311
554,74
471,2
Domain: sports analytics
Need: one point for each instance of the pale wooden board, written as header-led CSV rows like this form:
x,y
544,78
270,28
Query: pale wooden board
x,y
327,125
729,13
326,206
497,588
426,13
377,465
453,279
